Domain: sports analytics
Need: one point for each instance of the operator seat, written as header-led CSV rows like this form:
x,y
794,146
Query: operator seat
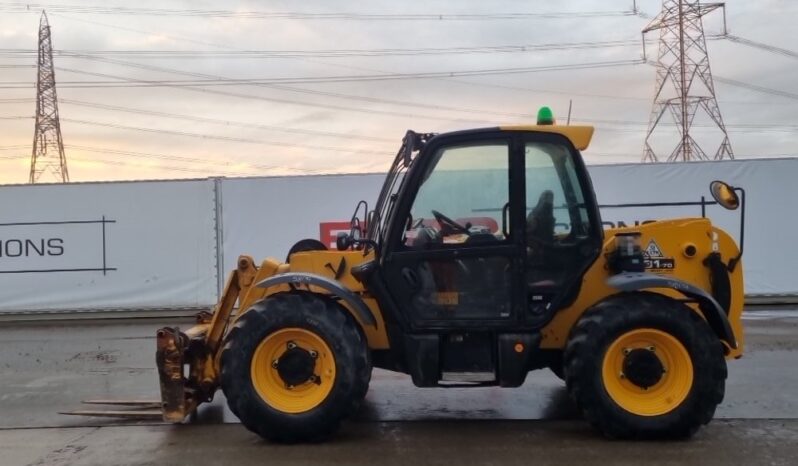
x,y
543,261
540,222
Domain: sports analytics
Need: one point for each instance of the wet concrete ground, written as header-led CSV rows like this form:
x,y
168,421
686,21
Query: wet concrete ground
x,y
47,368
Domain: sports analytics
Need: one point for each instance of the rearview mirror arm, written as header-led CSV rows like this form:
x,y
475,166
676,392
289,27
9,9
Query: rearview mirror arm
x,y
735,260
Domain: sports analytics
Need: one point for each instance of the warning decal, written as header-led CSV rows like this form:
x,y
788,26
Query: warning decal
x,y
655,259
653,250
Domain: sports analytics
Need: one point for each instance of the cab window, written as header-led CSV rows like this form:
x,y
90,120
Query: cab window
x,y
462,197
556,209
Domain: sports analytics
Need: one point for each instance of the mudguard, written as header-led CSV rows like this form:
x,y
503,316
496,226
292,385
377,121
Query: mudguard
x,y
712,311
335,288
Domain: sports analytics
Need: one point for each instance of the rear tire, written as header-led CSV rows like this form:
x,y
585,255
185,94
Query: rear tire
x,y
622,390
310,402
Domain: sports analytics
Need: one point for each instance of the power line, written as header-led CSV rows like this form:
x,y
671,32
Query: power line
x,y
251,97
16,7
498,86
88,55
335,79
299,90
359,137
179,158
285,129
337,53
176,158
412,104
367,99
23,100
225,138
286,88
761,46
749,86
332,94
334,53
338,95
139,31
161,167
757,88
349,136
604,129
183,159
313,92
773,127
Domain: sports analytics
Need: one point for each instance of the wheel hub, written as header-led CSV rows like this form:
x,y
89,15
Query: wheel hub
x,y
296,365
642,367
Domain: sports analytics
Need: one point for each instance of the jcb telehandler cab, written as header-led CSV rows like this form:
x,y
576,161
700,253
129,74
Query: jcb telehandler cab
x,y
483,259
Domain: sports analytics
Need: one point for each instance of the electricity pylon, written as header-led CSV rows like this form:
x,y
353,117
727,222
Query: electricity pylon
x,y
684,80
48,147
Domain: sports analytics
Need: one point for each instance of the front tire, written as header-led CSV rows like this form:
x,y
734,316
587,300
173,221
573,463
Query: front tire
x,y
293,366
642,365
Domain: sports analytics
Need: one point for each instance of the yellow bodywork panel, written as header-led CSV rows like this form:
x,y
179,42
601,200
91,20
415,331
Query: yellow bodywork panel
x,y
579,136
335,265
668,243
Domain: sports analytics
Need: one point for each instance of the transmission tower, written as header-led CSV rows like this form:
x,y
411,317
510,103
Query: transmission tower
x,y
684,80
48,148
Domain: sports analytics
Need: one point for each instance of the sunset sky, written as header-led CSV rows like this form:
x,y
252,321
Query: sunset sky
x,y
146,116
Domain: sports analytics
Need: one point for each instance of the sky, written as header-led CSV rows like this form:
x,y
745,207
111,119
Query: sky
x,y
147,117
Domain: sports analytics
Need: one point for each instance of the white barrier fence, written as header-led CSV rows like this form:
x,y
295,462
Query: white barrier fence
x,y
768,186
130,245
169,244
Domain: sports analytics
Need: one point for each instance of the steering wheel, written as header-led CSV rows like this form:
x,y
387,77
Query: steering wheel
x,y
448,225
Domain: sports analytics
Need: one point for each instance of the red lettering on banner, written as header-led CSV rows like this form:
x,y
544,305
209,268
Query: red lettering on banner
x,y
328,232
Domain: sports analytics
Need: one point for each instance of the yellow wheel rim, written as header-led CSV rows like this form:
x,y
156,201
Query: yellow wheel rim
x,y
268,382
668,392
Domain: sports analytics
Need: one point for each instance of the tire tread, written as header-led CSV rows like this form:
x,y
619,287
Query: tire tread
x,y
609,319
341,333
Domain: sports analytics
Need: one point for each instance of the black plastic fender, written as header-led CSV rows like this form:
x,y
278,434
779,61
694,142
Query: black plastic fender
x,y
712,311
335,288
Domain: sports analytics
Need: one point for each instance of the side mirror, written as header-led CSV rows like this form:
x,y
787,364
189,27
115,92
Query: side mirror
x,y
724,195
343,241
355,230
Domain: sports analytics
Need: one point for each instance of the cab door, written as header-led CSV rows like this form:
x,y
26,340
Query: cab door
x,y
455,258
562,229
492,230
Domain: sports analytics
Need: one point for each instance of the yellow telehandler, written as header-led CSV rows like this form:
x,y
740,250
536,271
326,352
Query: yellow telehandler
x,y
483,259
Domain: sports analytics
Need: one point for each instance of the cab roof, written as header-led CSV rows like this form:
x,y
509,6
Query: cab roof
x,y
579,135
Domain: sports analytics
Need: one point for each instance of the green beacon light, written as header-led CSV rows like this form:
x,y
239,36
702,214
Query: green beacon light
x,y
545,116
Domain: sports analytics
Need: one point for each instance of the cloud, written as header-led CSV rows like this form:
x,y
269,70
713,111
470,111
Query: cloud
x,y
611,94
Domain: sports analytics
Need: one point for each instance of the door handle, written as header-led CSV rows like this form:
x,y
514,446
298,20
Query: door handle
x,y
411,277
504,220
